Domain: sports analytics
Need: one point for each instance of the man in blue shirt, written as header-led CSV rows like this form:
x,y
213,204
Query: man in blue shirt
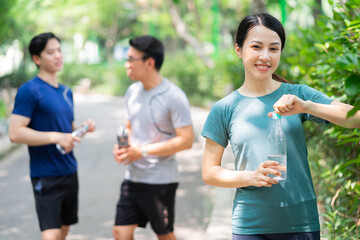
x,y
43,116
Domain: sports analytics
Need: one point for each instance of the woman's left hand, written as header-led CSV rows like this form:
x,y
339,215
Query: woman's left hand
x,y
289,105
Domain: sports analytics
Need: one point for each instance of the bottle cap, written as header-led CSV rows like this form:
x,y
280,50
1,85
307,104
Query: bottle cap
x,y
276,116
121,131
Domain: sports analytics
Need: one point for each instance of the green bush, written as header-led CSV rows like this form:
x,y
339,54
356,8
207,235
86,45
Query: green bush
x,y
73,73
185,70
326,57
18,77
105,78
2,109
122,82
227,73
204,85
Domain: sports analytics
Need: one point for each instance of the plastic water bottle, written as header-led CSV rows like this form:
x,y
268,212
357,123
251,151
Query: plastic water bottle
x,y
77,133
277,150
122,137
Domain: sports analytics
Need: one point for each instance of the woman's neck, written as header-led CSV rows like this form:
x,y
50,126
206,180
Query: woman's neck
x,y
258,88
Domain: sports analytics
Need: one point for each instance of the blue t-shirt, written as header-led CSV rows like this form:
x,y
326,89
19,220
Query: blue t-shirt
x,y
289,206
50,110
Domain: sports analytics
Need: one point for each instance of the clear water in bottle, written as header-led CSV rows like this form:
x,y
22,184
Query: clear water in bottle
x,y
277,150
281,168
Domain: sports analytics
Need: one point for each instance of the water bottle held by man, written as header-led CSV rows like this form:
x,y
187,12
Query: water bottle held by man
x,y
77,133
277,150
122,137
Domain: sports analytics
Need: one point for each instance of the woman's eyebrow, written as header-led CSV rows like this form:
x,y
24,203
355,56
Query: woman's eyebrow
x,y
259,42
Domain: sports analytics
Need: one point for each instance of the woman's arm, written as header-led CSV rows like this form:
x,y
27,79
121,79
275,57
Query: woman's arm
x,y
336,112
214,174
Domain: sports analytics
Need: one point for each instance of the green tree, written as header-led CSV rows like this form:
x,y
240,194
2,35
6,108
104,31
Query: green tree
x,y
326,57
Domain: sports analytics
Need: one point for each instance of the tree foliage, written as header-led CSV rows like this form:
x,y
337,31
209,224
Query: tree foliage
x,y
326,57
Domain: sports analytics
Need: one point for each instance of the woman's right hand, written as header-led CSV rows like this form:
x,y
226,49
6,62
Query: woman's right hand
x,y
261,174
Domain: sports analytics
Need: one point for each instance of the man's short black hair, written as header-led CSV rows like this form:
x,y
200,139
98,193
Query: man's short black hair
x,y
151,47
38,43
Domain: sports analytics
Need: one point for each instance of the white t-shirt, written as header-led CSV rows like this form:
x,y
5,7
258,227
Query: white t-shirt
x,y
154,115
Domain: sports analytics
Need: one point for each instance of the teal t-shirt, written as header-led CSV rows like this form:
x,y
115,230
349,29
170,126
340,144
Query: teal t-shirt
x,y
289,206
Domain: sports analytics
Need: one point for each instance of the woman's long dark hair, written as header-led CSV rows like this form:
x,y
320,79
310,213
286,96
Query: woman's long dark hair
x,y
266,20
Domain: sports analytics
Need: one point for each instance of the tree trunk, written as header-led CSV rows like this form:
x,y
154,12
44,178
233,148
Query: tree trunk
x,y
258,6
317,9
183,33
111,40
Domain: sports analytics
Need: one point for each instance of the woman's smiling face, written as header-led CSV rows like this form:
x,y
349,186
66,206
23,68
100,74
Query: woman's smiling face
x,y
260,53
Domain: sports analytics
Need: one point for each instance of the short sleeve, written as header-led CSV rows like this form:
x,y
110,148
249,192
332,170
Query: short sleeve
x,y
215,127
25,101
127,96
309,94
180,110
71,98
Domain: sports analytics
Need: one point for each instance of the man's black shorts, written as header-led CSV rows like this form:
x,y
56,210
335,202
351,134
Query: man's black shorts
x,y
56,200
140,203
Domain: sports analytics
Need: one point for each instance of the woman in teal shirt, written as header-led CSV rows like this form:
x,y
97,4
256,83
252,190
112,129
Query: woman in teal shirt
x,y
265,208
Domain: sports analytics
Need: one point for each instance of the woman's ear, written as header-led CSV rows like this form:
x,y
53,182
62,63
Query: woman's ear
x,y
238,50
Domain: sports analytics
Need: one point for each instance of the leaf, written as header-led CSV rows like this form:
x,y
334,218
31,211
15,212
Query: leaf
x,y
354,161
347,60
354,110
320,46
355,22
347,22
349,140
348,135
352,85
